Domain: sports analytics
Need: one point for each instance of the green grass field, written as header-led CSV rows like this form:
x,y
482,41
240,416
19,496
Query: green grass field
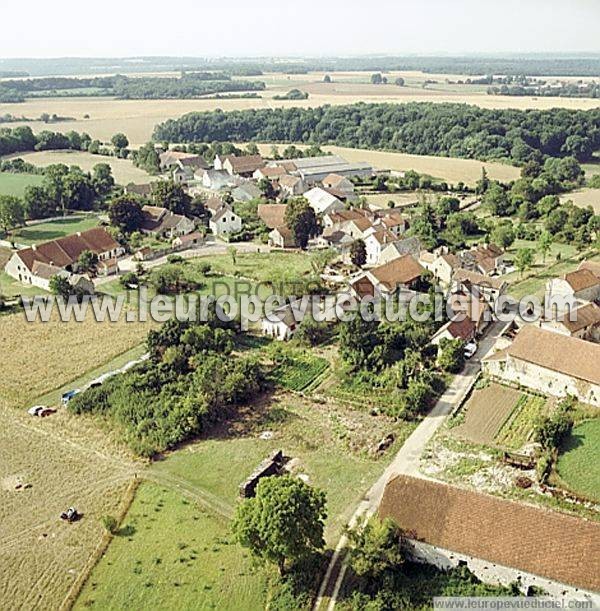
x,y
578,464
173,554
15,184
43,232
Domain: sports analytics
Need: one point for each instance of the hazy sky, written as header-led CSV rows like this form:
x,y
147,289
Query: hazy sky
x,y
113,28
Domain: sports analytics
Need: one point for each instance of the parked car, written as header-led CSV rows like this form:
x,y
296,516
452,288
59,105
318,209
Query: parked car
x,y
71,515
41,411
470,349
66,397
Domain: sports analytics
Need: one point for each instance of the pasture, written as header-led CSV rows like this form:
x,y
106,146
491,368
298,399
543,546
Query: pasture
x,y
578,465
583,198
15,184
485,413
174,553
52,230
123,170
137,118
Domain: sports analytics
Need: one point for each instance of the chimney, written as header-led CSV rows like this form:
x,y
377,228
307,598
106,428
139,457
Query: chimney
x,y
34,247
78,234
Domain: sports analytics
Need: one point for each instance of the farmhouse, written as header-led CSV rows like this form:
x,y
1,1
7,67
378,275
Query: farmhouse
x,y
339,218
500,541
376,242
479,285
244,165
281,323
225,221
398,248
217,180
550,363
191,240
323,202
170,159
272,215
282,237
338,183
246,192
61,254
291,186
442,266
269,172
583,322
581,285
163,223
400,274
486,259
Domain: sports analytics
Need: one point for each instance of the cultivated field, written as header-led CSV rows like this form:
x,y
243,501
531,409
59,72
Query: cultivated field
x,y
124,171
40,357
578,463
52,230
15,184
137,118
485,413
583,198
58,462
518,429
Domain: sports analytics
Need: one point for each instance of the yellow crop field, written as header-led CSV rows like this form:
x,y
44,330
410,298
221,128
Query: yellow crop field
x,y
39,357
123,170
584,197
137,118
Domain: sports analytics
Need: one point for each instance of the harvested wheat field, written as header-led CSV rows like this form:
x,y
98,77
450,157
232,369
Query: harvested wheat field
x,y
137,118
123,171
583,198
40,357
46,466
485,412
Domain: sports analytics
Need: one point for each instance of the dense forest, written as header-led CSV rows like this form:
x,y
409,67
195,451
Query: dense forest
x,y
533,65
453,130
188,85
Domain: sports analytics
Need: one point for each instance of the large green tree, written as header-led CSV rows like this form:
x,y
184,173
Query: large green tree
x,y
12,212
167,194
284,522
302,221
125,212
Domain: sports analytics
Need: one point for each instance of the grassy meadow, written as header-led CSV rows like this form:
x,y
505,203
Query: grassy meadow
x,y
52,230
578,465
15,184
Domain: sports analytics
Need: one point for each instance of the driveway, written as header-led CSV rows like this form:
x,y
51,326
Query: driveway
x,y
406,461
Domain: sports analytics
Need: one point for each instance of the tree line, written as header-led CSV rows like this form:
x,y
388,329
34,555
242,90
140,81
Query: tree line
x,y
188,85
452,130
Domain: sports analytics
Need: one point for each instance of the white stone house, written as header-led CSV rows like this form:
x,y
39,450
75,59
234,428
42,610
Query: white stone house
x,y
225,221
282,323
61,254
323,202
550,363
376,242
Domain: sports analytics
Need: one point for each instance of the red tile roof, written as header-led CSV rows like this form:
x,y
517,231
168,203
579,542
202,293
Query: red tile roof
x,y
547,543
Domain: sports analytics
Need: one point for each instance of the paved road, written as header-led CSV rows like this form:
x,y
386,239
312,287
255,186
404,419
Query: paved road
x,y
406,462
